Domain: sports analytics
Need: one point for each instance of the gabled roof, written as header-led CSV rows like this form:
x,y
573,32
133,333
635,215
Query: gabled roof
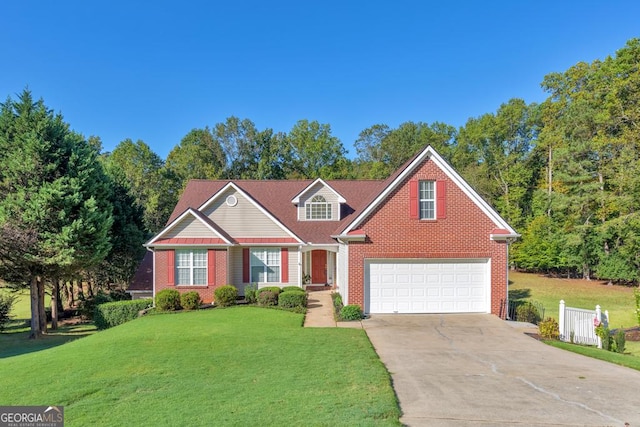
x,y
220,236
274,197
362,197
407,169
296,199
253,201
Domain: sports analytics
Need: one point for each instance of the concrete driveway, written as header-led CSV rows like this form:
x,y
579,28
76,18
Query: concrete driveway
x,y
478,370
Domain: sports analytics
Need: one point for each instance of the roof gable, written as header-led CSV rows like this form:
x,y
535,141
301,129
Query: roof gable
x,y
310,187
408,170
214,204
190,215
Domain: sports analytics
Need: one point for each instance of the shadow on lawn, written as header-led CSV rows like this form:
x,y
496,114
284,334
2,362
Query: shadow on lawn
x,y
518,294
14,340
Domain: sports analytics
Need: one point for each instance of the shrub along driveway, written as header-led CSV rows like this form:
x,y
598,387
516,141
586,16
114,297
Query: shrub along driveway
x,y
479,370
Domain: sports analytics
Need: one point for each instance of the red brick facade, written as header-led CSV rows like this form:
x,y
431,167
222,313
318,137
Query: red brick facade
x,y
463,233
161,272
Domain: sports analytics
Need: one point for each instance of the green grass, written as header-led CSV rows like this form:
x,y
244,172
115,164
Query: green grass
x,y
608,356
237,366
618,300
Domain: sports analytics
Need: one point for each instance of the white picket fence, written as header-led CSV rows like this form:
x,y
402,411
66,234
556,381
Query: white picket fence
x,y
579,325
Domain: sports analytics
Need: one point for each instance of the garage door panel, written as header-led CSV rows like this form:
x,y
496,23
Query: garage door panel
x,y
428,286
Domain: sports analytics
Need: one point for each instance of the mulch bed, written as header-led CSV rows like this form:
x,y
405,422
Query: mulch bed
x,y
632,334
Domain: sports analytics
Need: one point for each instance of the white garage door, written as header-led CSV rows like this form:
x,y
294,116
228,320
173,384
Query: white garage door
x,y
433,286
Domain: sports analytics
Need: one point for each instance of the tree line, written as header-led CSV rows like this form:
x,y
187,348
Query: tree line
x,y
565,173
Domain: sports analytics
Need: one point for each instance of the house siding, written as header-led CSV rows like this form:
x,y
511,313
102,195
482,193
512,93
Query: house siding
x,y
319,190
237,268
189,227
206,292
391,233
243,219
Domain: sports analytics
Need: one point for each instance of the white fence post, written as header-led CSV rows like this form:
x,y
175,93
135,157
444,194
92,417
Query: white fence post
x,y
561,321
599,317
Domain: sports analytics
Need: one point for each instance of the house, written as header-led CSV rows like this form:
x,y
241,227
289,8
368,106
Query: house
x,y
421,241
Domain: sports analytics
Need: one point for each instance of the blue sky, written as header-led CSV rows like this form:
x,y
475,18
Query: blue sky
x,y
156,70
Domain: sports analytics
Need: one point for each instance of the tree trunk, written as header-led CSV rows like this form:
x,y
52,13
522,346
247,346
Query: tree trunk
x,y
42,312
68,295
55,296
36,331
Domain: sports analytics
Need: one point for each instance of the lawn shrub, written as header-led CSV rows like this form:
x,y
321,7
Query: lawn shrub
x,y
351,312
275,289
292,289
251,293
87,305
292,299
337,301
168,300
116,313
549,329
267,298
6,304
604,333
190,300
226,295
620,341
527,312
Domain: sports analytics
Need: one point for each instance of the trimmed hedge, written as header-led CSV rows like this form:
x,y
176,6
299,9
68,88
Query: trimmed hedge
x,y
116,313
351,312
292,299
275,289
251,293
190,300
267,298
226,295
292,289
168,300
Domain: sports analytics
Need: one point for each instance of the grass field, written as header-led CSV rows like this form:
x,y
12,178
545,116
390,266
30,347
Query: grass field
x,y
237,366
618,300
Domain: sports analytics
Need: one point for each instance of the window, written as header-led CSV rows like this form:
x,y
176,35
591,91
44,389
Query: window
x,y
427,199
318,208
265,265
191,266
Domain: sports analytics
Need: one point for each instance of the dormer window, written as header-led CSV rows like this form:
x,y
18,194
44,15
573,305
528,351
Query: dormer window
x,y
318,208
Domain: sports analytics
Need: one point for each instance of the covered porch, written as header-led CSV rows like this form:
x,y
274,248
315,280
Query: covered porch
x,y
319,267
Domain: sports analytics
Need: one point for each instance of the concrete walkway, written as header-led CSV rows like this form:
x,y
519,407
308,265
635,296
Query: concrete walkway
x,y
320,312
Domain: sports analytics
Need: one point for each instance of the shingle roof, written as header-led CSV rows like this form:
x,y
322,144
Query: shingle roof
x,y
275,197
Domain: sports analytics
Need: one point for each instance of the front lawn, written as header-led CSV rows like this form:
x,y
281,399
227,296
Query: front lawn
x,y
596,353
237,366
618,300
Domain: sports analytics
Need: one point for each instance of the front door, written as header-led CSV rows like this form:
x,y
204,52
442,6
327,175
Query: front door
x,y
318,266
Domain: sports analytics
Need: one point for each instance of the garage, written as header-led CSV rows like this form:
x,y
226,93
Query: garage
x,y
428,286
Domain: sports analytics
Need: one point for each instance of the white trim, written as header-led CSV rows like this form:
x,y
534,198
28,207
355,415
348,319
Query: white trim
x,y
504,237
296,199
175,222
253,202
453,176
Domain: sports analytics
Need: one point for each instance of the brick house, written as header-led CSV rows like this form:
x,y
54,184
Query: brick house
x,y
421,241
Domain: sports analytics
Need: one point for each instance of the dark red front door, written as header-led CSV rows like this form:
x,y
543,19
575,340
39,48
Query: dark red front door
x,y
318,266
